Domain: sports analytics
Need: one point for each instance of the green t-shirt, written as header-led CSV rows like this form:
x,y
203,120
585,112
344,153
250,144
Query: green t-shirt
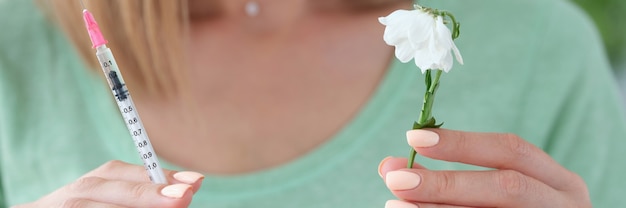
x,y
535,68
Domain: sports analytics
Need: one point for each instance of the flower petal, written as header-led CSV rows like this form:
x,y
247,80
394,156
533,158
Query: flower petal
x,y
457,54
443,40
423,58
447,62
383,20
394,35
396,30
420,27
440,45
404,51
397,17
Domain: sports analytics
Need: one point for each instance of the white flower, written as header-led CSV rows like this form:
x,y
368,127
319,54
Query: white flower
x,y
422,36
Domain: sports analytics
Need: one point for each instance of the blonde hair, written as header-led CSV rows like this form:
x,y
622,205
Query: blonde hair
x,y
149,37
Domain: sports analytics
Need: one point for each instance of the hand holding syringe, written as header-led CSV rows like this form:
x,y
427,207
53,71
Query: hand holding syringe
x,y
119,184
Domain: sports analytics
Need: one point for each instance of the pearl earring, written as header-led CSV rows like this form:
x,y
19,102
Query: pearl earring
x,y
252,8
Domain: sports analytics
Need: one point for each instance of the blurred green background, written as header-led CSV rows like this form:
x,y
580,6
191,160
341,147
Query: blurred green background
x,y
610,17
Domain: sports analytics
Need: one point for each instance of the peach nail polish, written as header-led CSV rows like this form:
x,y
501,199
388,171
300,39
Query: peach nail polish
x,y
381,165
188,177
422,138
175,190
402,180
399,204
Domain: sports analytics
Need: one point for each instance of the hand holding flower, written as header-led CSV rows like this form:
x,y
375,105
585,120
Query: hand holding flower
x,y
523,175
421,34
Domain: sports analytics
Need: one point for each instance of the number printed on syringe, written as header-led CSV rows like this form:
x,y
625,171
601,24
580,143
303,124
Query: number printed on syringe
x,y
124,101
131,116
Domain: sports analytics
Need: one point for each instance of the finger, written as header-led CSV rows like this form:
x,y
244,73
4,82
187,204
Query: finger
x,y
72,202
129,194
391,163
118,170
87,203
497,188
187,177
405,204
494,150
75,202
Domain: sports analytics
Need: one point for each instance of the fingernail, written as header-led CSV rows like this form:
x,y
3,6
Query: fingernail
x,y
402,180
422,138
380,173
399,204
176,190
188,177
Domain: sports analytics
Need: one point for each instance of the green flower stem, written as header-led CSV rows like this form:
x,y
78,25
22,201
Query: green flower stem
x,y
425,119
456,26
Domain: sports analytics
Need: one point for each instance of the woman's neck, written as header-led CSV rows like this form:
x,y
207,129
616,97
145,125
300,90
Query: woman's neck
x,y
257,91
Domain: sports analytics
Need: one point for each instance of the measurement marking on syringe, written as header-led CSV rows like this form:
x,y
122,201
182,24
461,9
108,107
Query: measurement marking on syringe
x,y
124,101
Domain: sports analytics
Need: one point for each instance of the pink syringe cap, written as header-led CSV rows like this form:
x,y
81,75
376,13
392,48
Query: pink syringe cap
x,y
94,31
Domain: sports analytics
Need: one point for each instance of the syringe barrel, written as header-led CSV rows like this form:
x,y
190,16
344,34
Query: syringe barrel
x,y
131,116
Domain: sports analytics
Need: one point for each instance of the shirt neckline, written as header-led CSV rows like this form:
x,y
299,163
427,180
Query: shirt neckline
x,y
321,159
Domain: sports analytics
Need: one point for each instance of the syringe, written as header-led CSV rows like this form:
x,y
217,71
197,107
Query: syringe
x,y
124,101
